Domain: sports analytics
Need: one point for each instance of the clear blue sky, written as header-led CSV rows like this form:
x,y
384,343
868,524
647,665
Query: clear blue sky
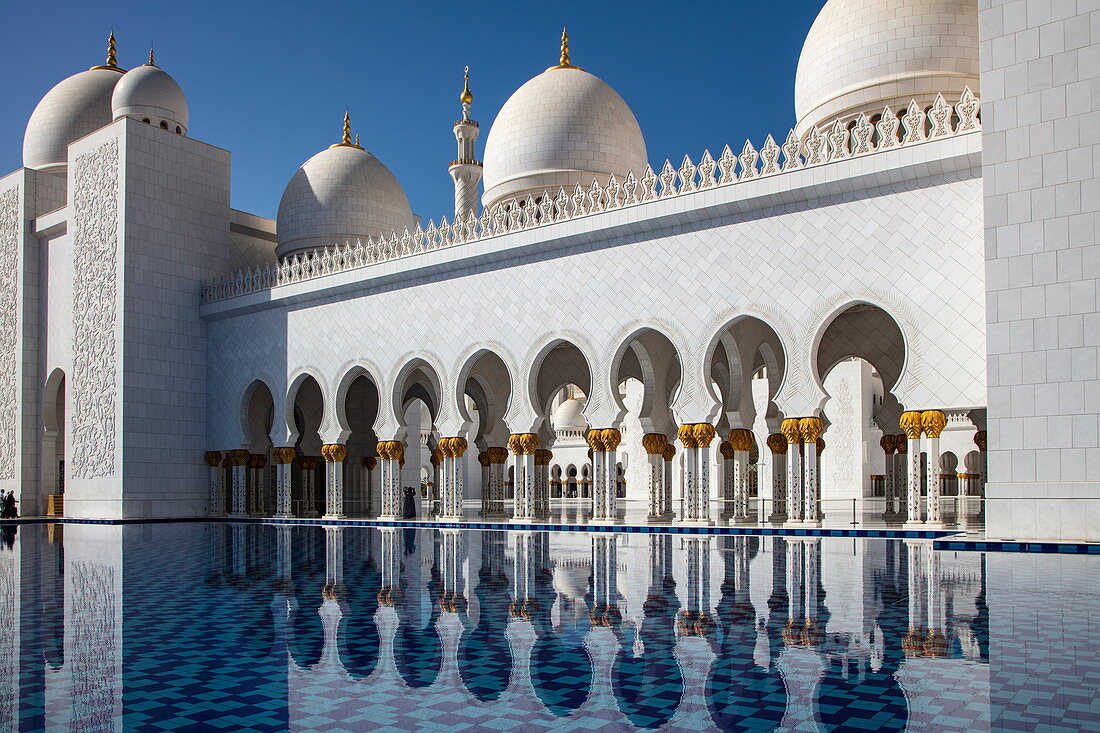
x,y
269,80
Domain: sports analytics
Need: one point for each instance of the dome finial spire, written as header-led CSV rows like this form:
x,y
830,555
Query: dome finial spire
x,y
152,61
467,97
345,139
112,55
564,47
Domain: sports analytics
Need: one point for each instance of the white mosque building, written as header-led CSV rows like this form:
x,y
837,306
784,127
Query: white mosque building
x,y
787,331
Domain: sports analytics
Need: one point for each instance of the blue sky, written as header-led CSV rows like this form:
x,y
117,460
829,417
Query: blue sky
x,y
269,81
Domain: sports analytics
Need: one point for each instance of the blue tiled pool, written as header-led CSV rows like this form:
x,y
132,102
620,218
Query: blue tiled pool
x,y
220,626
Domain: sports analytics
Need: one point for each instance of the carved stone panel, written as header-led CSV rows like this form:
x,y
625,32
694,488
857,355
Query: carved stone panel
x,y
95,312
10,231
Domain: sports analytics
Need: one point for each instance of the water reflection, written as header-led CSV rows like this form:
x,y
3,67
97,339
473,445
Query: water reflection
x,y
307,627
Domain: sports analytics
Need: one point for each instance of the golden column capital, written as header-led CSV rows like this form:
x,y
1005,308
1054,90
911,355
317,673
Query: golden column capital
x,y
980,439
886,442
283,455
810,427
820,446
669,452
237,457
704,433
900,444
529,443
654,443
933,422
257,460
594,438
497,455
611,438
791,431
741,439
686,434
543,457
777,442
458,447
437,454
514,443
910,424
483,458
213,458
370,462
726,449
334,452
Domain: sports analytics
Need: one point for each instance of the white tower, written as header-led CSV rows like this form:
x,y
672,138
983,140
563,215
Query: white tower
x,y
466,170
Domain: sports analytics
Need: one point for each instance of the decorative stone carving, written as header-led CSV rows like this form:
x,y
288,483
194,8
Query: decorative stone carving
x,y
95,312
10,229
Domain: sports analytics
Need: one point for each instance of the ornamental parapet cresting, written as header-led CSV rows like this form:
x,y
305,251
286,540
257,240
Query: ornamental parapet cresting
x,y
819,146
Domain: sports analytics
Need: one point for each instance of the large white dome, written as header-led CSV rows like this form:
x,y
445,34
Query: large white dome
x,y
150,94
341,194
863,55
561,128
76,107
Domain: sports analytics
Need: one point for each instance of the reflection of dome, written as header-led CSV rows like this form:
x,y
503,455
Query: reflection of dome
x,y
150,94
862,55
561,128
76,107
570,415
341,194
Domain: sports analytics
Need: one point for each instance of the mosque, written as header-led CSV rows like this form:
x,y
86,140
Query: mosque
x,y
815,328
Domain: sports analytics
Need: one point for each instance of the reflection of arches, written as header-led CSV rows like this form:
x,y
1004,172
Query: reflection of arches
x,y
307,639
358,642
649,685
486,655
53,438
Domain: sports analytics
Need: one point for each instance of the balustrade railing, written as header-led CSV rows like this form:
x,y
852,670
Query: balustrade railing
x,y
865,135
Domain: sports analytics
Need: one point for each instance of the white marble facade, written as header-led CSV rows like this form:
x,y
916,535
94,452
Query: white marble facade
x,y
835,275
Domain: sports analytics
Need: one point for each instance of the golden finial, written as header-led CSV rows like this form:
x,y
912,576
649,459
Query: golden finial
x,y
345,139
564,63
112,55
467,96
152,62
357,141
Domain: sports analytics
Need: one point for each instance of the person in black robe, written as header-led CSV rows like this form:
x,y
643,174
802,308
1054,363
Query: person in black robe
x,y
409,505
7,507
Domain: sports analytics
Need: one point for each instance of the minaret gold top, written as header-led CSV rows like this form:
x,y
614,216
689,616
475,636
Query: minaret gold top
x,y
345,139
563,62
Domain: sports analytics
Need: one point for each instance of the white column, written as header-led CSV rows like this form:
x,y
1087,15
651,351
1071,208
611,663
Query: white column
x,y
390,452
217,487
493,506
792,433
777,446
696,438
604,444
887,445
911,424
666,499
933,422
452,451
654,445
523,446
727,492
283,458
238,459
334,455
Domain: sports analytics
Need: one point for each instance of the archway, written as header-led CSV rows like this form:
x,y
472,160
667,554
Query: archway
x,y
485,389
647,372
53,443
357,409
417,398
858,359
257,418
307,403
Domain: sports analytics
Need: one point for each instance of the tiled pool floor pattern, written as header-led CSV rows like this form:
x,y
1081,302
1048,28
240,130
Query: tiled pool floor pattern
x,y
214,626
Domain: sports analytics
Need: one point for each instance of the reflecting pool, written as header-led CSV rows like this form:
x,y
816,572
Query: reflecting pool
x,y
218,626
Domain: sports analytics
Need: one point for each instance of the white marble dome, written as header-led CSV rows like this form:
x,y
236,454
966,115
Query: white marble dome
x,y
76,107
863,55
561,128
339,195
569,415
148,93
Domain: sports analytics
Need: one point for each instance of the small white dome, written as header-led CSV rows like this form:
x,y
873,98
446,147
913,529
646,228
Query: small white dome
x,y
561,128
148,93
339,195
76,107
863,55
570,415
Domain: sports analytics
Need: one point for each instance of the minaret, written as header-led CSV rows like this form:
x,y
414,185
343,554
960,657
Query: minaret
x,y
466,171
